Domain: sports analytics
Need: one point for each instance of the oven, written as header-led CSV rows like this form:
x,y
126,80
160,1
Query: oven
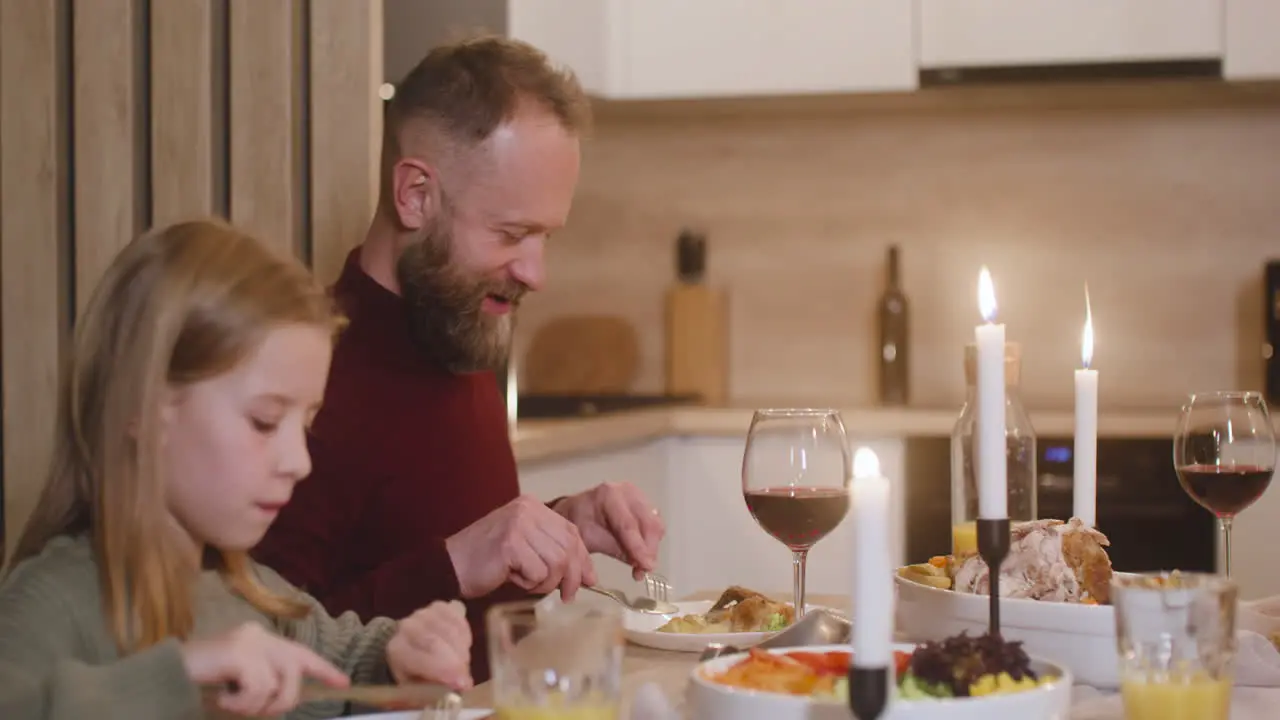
x,y
1151,522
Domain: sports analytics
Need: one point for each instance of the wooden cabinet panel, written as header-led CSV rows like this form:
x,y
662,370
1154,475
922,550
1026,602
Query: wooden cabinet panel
x,y
33,231
346,127
181,109
107,190
266,139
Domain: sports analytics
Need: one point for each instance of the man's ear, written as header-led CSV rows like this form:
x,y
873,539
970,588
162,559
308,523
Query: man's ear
x,y
416,193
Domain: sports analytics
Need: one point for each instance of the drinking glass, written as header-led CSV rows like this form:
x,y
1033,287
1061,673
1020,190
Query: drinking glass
x,y
795,479
556,660
1225,453
1176,635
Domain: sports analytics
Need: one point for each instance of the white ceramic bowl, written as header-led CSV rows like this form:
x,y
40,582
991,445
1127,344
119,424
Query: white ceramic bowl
x,y
1079,637
709,700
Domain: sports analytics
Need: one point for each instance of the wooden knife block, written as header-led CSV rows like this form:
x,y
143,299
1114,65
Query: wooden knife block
x,y
697,334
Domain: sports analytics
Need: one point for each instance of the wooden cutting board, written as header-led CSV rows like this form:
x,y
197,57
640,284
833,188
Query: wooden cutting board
x,y
582,355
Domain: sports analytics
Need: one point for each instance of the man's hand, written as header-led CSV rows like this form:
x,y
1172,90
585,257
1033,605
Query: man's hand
x,y
524,542
616,520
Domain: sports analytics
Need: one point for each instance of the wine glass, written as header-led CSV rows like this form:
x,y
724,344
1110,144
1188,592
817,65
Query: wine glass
x,y
795,479
1225,453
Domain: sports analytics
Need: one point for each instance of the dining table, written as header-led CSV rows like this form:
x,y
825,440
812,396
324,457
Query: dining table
x,y
646,668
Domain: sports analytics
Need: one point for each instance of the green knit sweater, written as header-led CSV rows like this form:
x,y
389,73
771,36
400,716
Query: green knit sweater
x,y
58,660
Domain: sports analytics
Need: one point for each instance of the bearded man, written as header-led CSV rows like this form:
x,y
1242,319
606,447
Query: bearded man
x,y
414,495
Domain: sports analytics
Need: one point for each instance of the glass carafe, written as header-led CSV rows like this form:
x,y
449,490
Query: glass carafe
x,y
1020,453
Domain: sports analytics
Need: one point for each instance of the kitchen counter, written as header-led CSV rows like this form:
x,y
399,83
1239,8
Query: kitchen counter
x,y
537,440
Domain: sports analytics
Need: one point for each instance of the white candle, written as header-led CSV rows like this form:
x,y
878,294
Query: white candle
x,y
1085,494
872,565
993,494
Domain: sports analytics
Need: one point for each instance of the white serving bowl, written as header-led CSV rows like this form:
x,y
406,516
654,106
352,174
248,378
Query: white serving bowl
x,y
1079,637
709,700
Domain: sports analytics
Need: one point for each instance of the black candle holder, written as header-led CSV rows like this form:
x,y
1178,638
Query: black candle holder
x,y
993,546
868,691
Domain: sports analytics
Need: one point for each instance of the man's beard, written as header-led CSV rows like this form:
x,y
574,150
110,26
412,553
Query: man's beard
x,y
445,316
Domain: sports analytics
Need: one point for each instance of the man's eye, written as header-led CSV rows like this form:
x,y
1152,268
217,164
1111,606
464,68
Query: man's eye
x,y
264,427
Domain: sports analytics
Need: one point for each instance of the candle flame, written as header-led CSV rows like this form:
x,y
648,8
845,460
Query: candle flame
x,y
1086,337
986,295
865,463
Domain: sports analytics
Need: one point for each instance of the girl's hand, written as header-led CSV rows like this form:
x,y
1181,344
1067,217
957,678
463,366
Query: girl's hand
x,y
265,669
433,645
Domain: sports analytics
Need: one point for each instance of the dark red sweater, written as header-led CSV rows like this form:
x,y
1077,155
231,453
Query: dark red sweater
x,y
404,454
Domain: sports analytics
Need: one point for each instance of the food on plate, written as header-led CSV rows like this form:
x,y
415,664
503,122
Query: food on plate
x,y
963,666
737,610
960,666
797,672
936,572
1048,560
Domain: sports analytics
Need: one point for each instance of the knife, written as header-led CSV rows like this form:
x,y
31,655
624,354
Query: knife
x,y
413,696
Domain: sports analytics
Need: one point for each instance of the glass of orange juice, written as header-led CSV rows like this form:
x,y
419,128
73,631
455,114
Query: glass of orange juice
x,y
556,661
1176,634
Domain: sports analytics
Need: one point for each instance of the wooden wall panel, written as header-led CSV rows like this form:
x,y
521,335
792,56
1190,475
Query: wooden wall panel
x,y
346,127
32,223
265,189
181,109
104,127
165,110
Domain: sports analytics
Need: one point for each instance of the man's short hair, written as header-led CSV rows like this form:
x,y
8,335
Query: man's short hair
x,y
467,89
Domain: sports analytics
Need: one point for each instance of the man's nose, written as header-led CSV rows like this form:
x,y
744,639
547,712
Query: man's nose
x,y
528,267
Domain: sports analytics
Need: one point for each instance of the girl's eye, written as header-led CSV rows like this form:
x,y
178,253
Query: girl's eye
x,y
266,428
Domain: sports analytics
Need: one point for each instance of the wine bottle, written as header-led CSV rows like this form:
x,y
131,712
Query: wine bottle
x,y
894,388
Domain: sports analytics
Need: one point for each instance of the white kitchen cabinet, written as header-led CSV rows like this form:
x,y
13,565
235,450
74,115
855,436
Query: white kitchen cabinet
x,y
1254,539
987,33
1252,40
644,49
642,465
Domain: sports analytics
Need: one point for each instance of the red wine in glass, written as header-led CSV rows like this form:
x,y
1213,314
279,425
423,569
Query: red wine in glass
x,y
798,516
796,469
1225,451
1225,490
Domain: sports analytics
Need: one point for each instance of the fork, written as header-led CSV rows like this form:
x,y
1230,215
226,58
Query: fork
x,y
657,587
448,707
640,604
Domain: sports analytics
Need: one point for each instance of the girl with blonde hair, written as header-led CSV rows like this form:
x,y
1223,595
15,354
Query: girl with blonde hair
x,y
195,370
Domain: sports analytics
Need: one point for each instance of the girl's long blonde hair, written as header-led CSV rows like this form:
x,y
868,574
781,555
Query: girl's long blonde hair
x,y
178,305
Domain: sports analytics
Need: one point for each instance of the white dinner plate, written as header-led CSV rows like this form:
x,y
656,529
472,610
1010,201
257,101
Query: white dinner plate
x,y
642,629
468,714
